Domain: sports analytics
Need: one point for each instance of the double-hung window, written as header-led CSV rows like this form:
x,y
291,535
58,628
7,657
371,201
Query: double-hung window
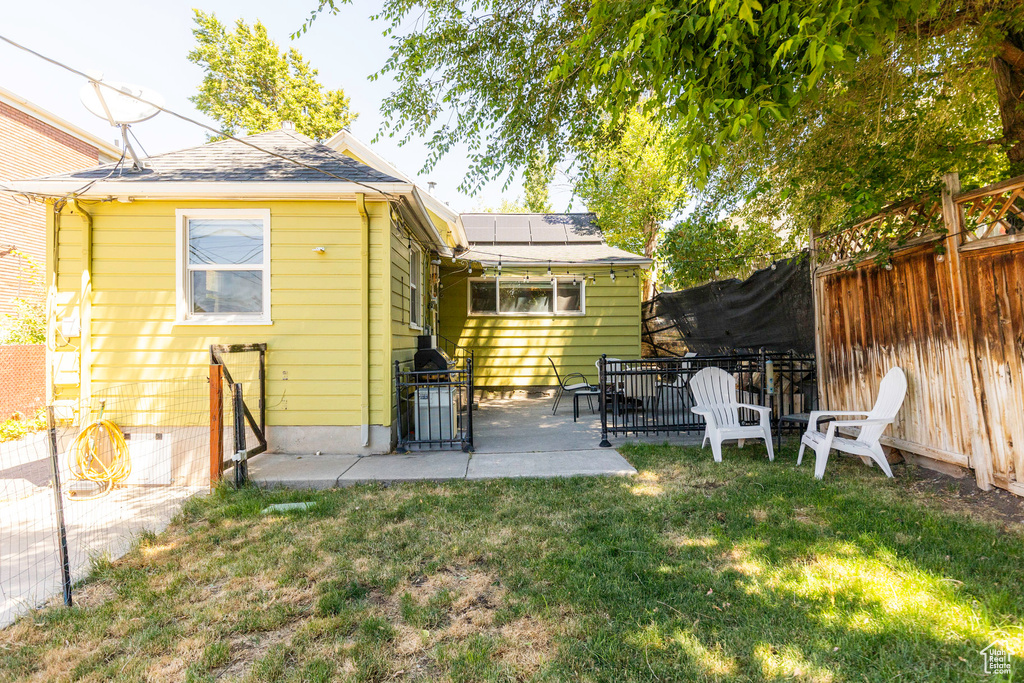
x,y
223,266
521,297
415,286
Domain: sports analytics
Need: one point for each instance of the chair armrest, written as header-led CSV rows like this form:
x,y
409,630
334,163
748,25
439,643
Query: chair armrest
x,y
697,410
816,415
860,423
565,380
751,406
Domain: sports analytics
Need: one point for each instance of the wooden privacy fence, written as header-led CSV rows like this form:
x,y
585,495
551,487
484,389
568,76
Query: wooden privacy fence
x,y
948,307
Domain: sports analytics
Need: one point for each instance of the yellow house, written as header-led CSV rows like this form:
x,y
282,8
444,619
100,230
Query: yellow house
x,y
333,259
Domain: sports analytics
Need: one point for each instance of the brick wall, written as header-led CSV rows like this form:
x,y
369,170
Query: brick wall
x,y
22,379
30,147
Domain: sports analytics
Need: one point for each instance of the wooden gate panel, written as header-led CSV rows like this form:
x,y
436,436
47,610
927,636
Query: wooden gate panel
x,y
995,294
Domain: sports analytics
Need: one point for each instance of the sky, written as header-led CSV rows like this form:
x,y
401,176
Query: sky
x,y
145,42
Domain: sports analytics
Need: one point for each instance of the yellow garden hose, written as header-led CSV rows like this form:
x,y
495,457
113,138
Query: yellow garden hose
x,y
84,455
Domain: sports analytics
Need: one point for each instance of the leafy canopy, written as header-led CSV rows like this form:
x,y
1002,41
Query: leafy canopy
x,y
250,86
509,78
634,186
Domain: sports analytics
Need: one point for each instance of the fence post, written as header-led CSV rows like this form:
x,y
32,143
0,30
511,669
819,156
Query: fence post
x,y
241,466
62,533
402,437
602,381
470,389
981,456
216,423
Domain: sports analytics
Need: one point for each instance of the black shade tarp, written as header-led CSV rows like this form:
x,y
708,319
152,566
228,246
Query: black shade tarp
x,y
771,309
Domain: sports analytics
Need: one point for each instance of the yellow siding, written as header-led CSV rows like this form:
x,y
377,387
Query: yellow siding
x,y
315,340
513,351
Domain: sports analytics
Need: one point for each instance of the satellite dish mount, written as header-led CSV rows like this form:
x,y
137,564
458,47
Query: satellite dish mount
x,y
121,104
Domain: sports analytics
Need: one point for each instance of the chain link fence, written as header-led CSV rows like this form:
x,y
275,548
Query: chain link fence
x,y
74,494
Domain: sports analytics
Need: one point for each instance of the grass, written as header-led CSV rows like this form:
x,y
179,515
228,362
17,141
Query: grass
x,y
691,571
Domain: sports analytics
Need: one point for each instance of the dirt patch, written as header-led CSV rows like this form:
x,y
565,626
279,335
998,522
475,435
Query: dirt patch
x,y
472,600
246,650
963,495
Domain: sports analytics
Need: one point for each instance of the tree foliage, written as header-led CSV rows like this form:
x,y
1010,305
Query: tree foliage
x,y
537,184
797,110
250,86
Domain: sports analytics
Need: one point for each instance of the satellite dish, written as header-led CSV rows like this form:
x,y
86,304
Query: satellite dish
x,y
120,103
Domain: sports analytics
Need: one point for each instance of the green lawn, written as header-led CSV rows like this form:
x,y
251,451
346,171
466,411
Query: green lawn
x,y
692,571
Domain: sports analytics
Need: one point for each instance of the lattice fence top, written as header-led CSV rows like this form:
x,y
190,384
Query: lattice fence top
x,y
993,211
895,226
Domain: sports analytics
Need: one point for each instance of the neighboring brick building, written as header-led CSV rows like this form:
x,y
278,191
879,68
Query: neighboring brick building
x,y
34,142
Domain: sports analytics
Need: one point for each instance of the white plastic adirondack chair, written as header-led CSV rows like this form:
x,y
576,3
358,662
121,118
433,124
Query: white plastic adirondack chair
x,y
714,393
891,393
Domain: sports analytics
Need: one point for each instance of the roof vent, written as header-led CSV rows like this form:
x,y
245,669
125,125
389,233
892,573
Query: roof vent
x,y
287,125
430,186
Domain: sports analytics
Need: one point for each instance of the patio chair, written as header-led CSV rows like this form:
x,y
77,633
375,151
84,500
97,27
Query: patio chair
x,y
677,383
566,384
714,396
891,393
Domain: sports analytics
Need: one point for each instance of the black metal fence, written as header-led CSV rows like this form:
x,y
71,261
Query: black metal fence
x,y
435,408
652,396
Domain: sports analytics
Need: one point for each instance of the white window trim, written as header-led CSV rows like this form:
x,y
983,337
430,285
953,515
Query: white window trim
x,y
554,293
182,315
416,288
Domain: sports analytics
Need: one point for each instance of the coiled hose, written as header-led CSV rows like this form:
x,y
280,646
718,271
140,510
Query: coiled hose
x,y
84,457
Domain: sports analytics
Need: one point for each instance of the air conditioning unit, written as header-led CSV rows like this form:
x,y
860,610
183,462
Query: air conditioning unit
x,y
434,413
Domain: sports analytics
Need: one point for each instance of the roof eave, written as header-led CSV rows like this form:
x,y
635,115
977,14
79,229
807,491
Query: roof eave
x,y
203,189
27,107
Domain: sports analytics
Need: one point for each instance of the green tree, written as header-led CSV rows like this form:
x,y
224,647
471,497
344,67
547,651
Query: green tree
x,y
539,174
250,86
27,324
634,186
744,85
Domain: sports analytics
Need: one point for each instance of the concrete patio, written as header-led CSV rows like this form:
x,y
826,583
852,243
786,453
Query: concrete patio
x,y
515,436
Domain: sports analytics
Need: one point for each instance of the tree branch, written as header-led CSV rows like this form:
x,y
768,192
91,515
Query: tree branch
x,y
1011,54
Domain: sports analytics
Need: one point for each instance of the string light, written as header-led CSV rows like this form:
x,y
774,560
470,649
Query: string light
x,y
774,265
612,274
888,265
717,272
549,268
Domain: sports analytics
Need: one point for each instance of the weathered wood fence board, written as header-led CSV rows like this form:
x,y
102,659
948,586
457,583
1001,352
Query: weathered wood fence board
x,y
950,312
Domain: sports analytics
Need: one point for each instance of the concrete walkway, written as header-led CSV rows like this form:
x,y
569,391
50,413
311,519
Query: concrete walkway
x,y
515,437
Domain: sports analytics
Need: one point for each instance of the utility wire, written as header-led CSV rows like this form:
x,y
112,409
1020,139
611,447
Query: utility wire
x,y
194,121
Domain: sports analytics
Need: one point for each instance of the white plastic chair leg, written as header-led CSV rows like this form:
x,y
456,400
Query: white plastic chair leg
x,y
821,460
878,456
716,448
768,444
800,455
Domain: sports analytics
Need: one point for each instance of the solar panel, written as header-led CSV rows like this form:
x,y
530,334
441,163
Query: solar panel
x,y
479,233
580,228
543,232
511,229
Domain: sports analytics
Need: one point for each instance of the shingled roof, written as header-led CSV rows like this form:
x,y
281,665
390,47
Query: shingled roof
x,y
232,161
540,238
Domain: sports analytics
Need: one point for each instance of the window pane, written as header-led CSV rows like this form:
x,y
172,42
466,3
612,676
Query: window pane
x,y
225,240
227,291
570,297
524,297
483,297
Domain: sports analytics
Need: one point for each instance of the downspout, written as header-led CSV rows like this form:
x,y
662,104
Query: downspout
x,y
52,237
364,317
85,315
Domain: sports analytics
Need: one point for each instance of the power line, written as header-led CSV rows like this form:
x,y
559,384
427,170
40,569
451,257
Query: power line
x,y
196,122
